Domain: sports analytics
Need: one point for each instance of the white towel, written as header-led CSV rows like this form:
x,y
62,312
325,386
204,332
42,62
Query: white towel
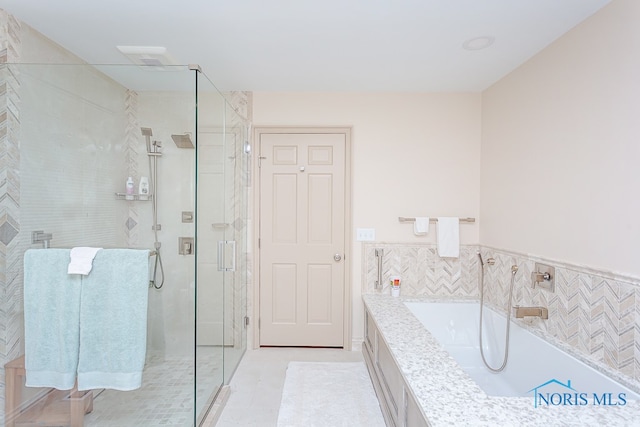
x,y
448,237
81,260
421,226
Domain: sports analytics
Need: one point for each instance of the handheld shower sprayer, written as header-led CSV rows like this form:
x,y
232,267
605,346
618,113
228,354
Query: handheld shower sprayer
x,y
147,133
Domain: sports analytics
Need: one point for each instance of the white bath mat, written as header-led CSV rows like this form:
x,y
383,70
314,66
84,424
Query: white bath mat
x,y
328,394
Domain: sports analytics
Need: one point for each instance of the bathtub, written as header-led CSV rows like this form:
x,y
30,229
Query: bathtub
x,y
532,360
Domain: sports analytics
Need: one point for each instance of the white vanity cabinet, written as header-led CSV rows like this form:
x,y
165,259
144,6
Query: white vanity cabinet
x,y
398,405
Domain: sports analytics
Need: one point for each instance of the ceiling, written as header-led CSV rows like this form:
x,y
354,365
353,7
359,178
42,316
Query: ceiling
x,y
321,45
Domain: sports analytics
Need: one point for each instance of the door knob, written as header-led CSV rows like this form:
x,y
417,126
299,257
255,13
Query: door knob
x,y
337,257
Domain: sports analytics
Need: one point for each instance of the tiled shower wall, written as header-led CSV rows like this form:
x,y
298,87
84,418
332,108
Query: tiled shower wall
x,y
10,271
593,313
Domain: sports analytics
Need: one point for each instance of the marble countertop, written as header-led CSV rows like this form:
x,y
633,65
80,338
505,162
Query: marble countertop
x,y
448,396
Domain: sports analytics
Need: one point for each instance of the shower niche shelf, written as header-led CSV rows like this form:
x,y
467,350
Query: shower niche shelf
x,y
134,197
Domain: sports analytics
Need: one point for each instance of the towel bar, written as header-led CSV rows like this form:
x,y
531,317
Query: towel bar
x,y
151,252
405,219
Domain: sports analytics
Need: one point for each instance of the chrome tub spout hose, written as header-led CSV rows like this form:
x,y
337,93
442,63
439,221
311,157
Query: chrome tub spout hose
x,y
514,270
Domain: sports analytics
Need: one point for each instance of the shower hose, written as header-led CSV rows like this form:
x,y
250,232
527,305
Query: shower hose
x,y
514,269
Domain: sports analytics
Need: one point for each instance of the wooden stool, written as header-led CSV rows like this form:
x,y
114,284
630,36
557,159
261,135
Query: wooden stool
x,y
56,408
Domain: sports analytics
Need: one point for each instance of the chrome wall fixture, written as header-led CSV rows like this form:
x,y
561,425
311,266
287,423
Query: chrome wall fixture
x,y
543,277
406,219
41,237
379,254
521,312
226,253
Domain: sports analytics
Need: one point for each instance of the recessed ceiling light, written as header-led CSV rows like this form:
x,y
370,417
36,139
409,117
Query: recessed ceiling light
x,y
156,56
478,43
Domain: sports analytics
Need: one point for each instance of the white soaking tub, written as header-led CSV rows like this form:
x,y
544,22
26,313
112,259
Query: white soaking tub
x,y
532,362
447,395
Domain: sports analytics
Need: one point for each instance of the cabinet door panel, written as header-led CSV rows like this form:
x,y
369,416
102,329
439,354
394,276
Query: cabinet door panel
x,y
391,379
413,415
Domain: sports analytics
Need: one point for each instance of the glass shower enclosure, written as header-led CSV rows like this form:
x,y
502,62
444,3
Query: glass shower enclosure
x,y
75,134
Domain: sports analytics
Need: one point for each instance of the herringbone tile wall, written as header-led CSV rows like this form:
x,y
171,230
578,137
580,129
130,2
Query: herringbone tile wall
x,y
422,271
595,313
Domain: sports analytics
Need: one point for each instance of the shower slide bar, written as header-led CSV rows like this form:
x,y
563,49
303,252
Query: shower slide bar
x,y
404,219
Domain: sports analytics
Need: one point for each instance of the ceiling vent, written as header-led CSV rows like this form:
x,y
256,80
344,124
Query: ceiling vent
x,y
147,56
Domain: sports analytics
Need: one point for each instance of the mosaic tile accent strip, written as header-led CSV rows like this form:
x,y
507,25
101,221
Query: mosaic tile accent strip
x,y
241,102
10,255
131,152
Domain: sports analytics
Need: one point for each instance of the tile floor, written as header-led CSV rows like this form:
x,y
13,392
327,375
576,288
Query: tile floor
x,y
166,395
256,387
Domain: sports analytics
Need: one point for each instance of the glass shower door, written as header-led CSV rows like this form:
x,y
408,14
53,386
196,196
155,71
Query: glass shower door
x,y
212,231
235,288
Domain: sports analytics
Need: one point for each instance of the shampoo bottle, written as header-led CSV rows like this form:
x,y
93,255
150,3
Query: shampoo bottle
x,y
129,189
143,187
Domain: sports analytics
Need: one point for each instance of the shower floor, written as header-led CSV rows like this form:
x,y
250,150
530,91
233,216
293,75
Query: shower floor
x,y
166,395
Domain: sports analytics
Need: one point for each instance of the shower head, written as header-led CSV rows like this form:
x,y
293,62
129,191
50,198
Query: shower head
x,y
146,132
183,140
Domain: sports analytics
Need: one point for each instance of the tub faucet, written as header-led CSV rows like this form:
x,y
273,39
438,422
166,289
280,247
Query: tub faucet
x,y
541,312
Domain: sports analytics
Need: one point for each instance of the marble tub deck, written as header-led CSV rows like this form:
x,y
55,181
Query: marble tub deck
x,y
448,396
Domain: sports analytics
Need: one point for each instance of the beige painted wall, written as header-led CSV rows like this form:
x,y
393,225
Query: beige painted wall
x,y
413,155
560,148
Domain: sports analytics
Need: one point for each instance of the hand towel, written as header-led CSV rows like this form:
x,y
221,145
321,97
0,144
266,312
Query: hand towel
x,y
448,237
51,319
81,260
421,226
113,320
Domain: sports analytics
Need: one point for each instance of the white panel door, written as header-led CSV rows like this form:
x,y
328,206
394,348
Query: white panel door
x,y
302,228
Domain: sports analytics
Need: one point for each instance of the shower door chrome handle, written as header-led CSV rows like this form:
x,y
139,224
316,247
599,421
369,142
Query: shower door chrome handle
x,y
233,255
222,251
220,255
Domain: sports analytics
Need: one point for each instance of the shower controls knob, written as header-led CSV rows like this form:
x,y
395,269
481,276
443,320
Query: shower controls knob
x,y
337,257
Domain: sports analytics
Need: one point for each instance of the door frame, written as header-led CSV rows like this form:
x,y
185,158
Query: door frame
x,y
255,298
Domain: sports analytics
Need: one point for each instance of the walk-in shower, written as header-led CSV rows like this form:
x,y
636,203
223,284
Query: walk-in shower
x,y
82,131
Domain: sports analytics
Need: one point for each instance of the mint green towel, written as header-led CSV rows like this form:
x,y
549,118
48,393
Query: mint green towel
x,y
51,319
113,320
